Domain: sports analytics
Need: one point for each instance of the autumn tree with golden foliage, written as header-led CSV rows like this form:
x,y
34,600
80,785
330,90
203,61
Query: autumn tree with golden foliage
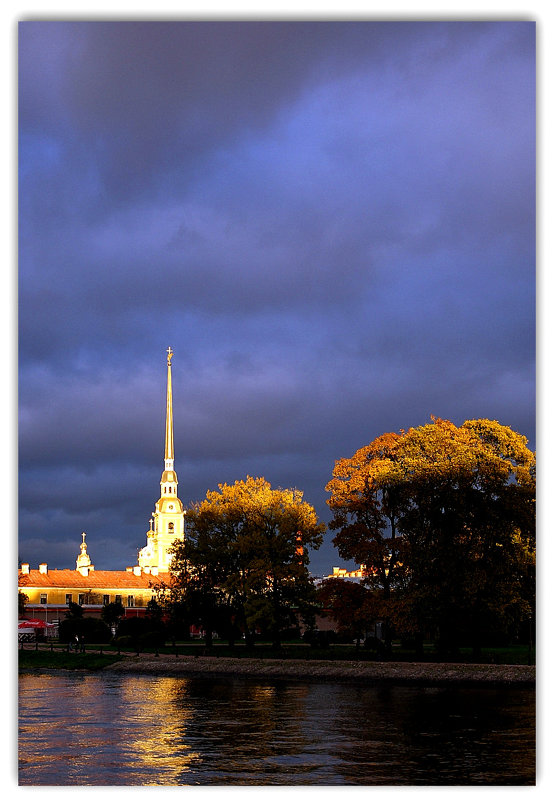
x,y
443,518
244,558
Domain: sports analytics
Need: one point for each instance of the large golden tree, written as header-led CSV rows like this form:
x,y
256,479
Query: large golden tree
x,y
245,557
443,517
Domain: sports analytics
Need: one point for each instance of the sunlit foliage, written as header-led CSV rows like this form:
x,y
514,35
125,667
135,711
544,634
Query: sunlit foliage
x,y
243,563
443,517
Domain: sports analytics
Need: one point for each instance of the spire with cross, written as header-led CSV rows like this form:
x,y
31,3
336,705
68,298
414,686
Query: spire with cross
x,y
169,416
167,522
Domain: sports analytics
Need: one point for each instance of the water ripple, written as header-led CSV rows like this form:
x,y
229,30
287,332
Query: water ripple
x,y
143,731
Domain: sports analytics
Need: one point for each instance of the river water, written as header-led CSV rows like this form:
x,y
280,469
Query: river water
x,y
144,730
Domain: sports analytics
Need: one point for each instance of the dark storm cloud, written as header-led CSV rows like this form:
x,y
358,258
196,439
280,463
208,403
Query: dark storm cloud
x,y
332,224
145,96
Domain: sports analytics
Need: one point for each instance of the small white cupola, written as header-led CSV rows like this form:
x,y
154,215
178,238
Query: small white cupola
x,y
84,565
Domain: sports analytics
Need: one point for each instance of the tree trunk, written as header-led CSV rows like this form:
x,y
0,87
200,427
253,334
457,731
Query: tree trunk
x,y
276,629
387,629
248,636
231,637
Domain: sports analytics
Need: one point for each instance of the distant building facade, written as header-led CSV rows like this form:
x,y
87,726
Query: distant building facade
x,y
358,574
49,592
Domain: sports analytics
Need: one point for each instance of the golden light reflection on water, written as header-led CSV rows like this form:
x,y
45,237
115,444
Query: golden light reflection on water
x,y
158,744
251,725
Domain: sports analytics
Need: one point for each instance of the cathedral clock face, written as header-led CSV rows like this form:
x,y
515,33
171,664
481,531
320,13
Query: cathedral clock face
x,y
170,507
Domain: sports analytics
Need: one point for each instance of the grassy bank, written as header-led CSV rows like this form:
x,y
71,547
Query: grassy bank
x,y
96,656
61,660
513,655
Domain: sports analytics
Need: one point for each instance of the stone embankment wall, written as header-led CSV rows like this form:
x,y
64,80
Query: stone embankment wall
x,y
424,673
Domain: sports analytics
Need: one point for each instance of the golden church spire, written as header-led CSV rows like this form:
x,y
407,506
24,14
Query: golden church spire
x,y
169,417
169,476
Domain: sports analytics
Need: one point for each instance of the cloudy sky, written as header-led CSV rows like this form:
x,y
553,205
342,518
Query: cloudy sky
x,y
331,223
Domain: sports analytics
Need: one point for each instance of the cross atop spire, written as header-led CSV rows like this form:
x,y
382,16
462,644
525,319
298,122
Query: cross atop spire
x,y
169,355
83,559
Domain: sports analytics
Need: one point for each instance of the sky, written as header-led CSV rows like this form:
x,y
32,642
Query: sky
x,y
332,224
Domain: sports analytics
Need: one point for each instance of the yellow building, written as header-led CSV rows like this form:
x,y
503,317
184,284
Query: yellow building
x,y
342,572
49,592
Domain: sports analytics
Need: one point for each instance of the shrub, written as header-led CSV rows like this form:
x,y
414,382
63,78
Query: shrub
x,y
375,644
141,631
88,629
319,639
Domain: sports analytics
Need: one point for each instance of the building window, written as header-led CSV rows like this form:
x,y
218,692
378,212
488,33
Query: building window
x,y
43,598
130,600
81,598
118,599
68,598
105,600
170,526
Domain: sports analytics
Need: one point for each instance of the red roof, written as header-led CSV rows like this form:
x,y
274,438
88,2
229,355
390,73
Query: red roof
x,y
96,579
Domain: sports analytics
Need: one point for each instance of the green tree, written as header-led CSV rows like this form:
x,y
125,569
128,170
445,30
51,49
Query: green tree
x,y
350,605
87,629
245,555
463,500
74,611
112,612
22,600
140,632
154,614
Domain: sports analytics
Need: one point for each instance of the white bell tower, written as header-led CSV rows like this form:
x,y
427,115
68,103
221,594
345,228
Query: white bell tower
x,y
167,523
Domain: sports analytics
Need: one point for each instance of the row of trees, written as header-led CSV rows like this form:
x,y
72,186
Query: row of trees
x,y
112,625
442,517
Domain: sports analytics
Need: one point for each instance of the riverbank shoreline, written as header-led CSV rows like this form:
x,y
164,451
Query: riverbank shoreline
x,y
412,673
